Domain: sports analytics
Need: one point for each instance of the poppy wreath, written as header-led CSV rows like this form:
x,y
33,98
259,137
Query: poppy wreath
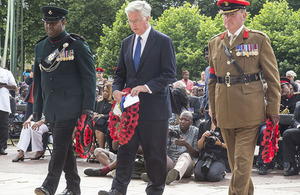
x,y
84,136
122,128
270,141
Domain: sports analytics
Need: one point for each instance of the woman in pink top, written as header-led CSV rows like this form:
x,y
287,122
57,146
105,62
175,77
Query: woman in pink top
x,y
189,83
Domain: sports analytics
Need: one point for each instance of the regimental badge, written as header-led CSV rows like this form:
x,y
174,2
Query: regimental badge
x,y
51,57
67,55
247,50
50,12
226,3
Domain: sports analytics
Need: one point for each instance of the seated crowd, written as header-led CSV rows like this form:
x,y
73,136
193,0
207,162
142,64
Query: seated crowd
x,y
195,145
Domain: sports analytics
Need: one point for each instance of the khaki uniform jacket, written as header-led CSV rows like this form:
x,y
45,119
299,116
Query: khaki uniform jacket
x,y
242,105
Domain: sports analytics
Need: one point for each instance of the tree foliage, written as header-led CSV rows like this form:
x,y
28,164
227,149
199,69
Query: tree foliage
x,y
108,52
87,18
188,30
191,32
282,25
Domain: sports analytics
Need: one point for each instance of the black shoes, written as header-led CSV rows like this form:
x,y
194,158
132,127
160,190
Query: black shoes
x,y
93,172
67,192
291,170
110,192
41,191
37,157
2,151
263,170
18,159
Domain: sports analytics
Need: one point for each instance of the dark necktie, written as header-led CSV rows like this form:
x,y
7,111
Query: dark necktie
x,y
137,53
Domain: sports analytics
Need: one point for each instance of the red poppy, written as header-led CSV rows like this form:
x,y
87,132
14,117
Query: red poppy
x,y
84,137
122,128
270,141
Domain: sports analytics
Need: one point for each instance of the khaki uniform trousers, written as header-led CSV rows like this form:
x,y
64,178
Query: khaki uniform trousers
x,y
240,150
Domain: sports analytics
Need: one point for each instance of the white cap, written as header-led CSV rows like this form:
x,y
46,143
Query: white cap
x,y
292,73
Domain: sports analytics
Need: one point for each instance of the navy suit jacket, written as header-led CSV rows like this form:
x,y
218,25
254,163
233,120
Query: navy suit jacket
x,y
157,69
204,103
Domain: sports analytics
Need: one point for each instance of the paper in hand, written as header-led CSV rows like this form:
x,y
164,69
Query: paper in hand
x,y
129,100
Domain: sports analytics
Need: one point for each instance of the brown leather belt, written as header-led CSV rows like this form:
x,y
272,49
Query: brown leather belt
x,y
247,78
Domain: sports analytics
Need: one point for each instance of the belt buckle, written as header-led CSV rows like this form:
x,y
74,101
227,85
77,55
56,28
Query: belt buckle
x,y
247,80
227,79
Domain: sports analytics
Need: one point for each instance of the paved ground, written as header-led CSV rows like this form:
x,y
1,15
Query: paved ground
x,y
23,177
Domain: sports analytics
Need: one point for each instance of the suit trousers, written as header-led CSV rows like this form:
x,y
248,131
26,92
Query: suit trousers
x,y
152,135
291,139
240,150
62,158
3,129
34,135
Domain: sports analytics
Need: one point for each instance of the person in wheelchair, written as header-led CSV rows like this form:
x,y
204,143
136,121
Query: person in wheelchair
x,y
31,131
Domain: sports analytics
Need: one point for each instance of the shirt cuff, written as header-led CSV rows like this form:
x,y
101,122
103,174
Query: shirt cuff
x,y
149,91
298,126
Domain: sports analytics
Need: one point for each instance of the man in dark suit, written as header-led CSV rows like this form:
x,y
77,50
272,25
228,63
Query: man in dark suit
x,y
291,139
149,79
64,88
195,109
204,101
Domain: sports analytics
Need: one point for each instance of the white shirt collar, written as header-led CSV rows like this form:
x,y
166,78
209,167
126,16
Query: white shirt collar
x,y
236,32
145,35
143,40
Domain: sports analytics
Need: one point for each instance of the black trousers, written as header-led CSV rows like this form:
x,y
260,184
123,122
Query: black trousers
x,y
153,137
291,139
3,129
62,158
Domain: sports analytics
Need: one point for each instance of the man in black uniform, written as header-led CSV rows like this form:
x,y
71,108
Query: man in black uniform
x,y
291,139
64,88
288,101
287,106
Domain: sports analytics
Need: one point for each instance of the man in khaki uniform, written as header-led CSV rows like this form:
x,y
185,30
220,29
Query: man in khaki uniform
x,y
236,94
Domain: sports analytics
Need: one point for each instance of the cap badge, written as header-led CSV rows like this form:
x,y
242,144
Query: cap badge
x,y
50,12
226,3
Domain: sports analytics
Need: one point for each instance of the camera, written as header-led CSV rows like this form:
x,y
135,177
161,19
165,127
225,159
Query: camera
x,y
208,157
174,133
211,140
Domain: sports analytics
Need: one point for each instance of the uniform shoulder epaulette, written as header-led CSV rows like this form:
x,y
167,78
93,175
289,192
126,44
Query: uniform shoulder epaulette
x,y
218,35
76,36
44,37
296,93
257,31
